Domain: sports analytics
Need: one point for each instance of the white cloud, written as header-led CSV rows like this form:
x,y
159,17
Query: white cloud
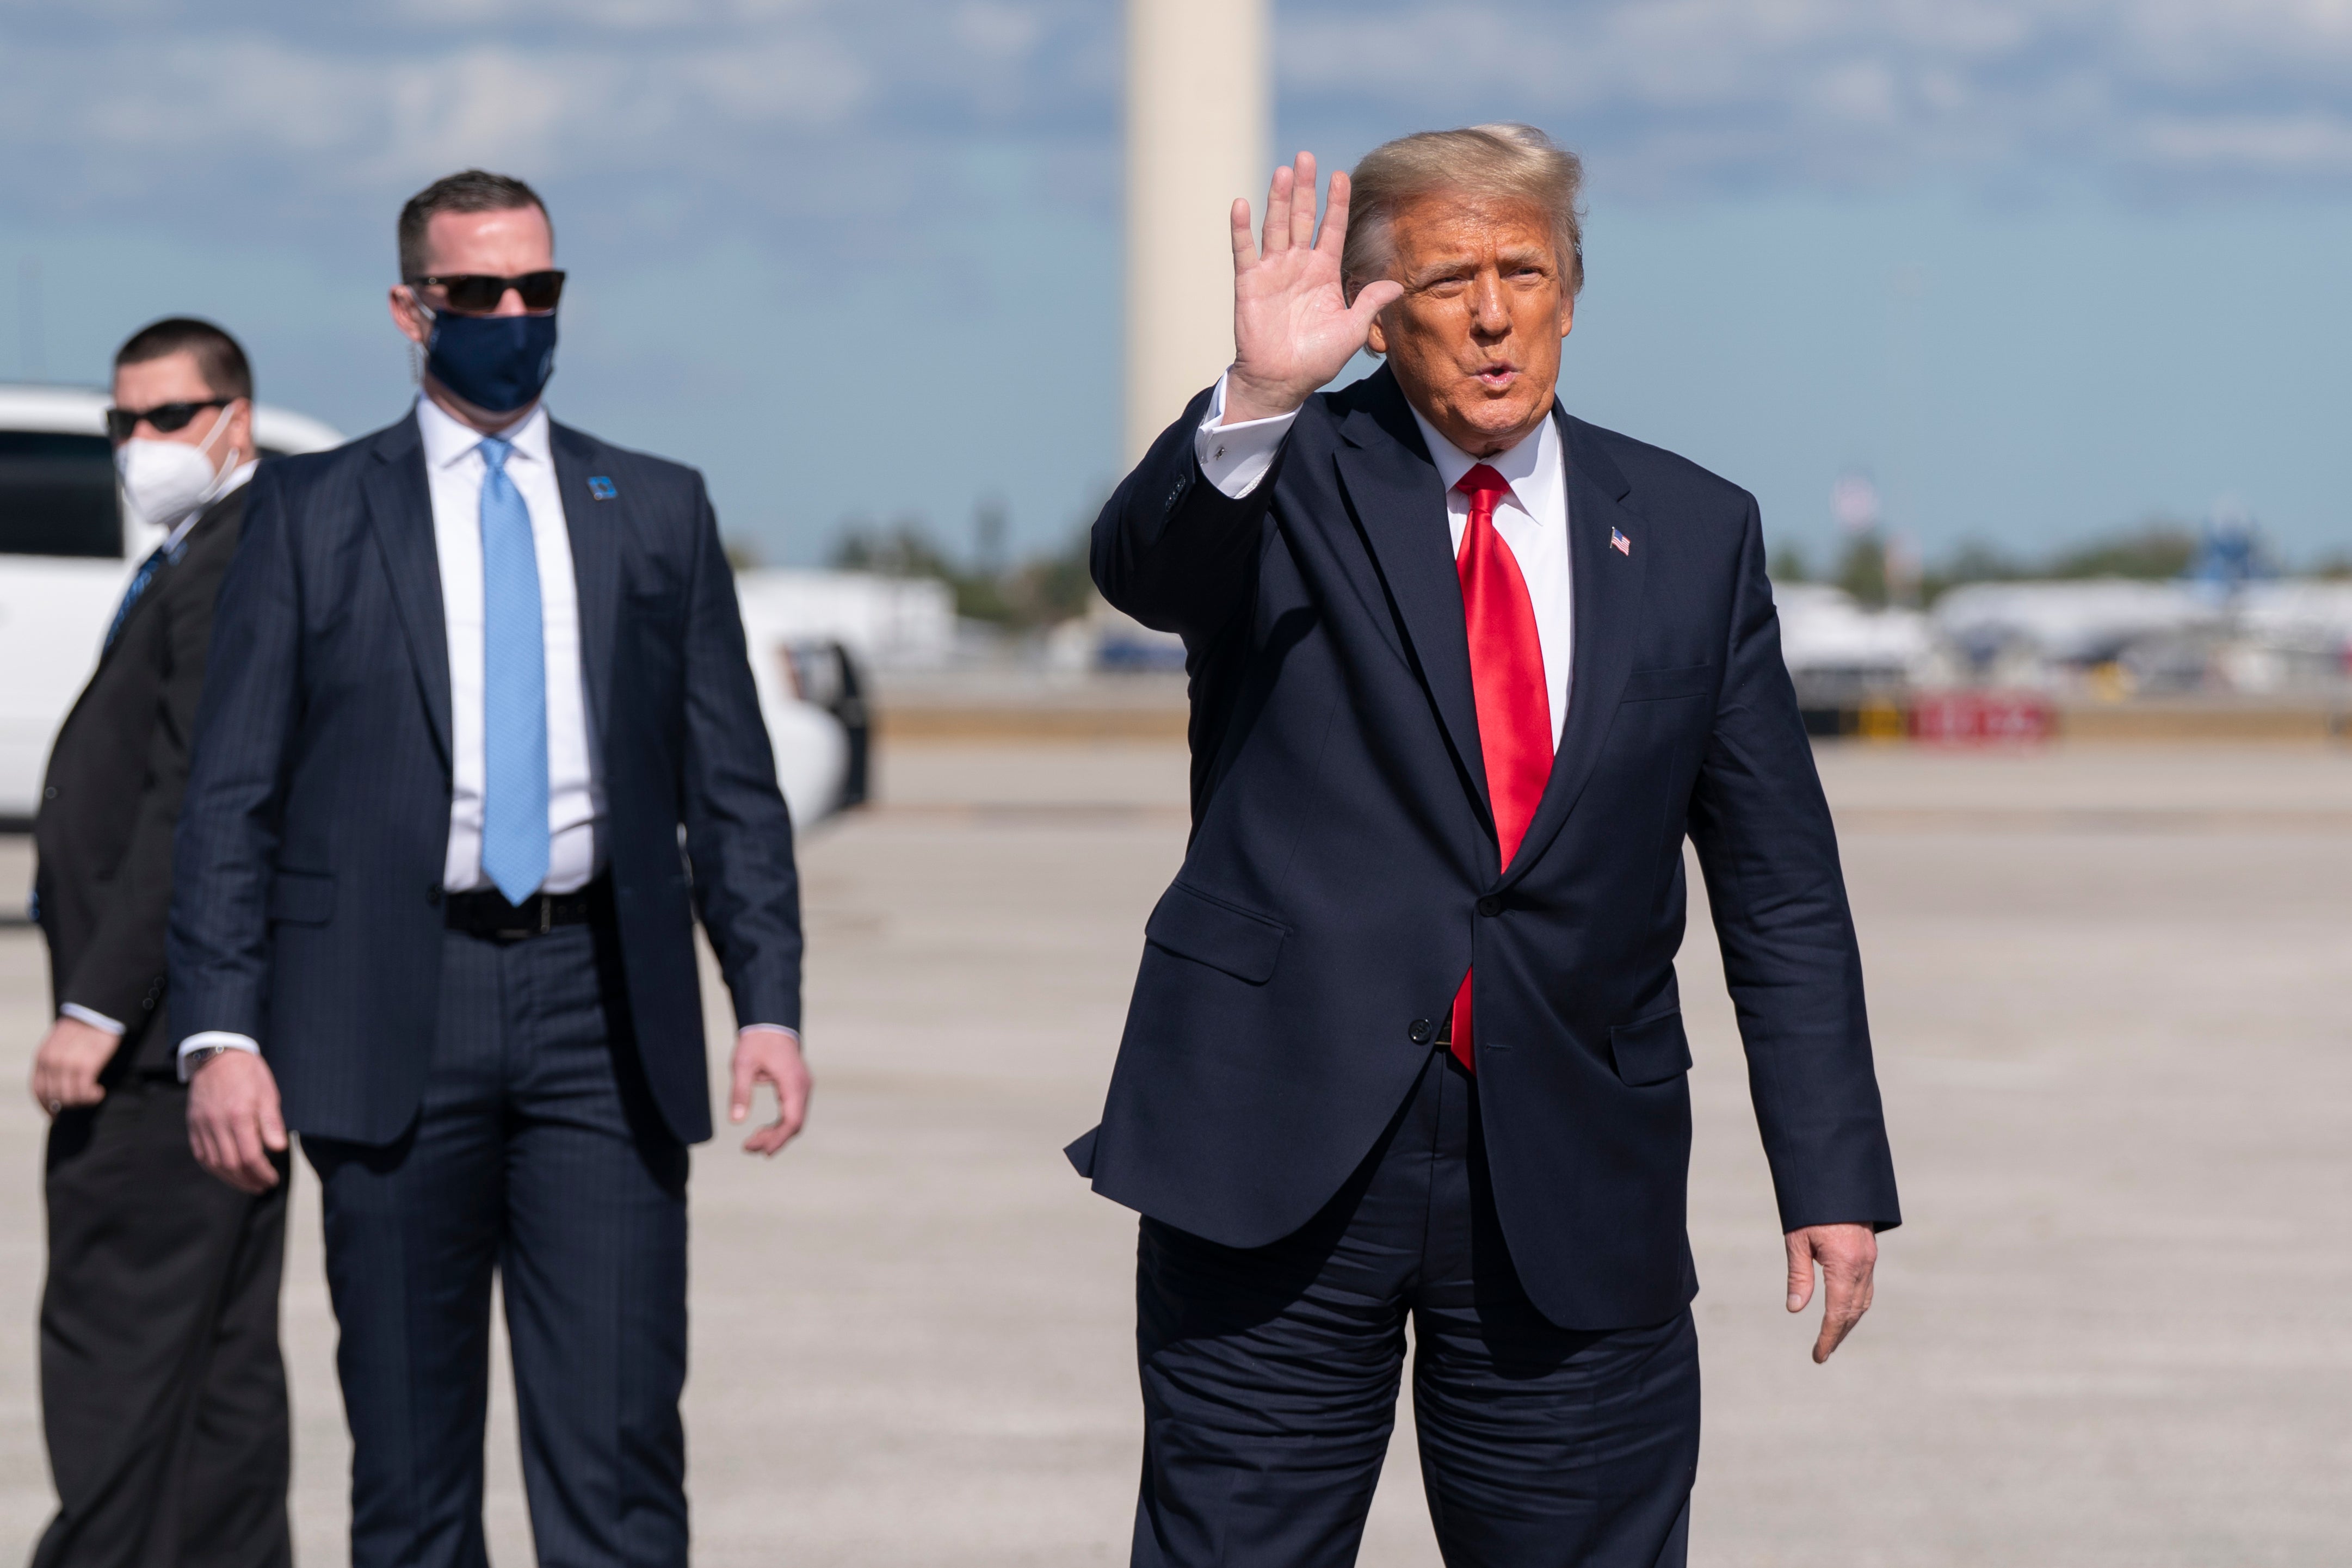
x,y
810,83
665,112
795,106
2312,143
561,108
998,31
1832,92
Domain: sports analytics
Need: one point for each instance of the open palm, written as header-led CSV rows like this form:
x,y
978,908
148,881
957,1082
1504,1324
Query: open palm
x,y
1293,327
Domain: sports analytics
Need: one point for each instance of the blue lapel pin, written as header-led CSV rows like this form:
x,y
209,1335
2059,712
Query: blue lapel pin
x,y
602,488
1617,542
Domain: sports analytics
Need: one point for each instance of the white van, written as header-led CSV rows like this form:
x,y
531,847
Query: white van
x,y
66,554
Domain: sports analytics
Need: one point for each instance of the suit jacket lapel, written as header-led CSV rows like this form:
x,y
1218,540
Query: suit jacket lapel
x,y
400,510
132,617
1607,589
1394,488
212,513
595,527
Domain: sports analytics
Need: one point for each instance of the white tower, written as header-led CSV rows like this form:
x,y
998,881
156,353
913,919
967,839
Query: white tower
x,y
1199,121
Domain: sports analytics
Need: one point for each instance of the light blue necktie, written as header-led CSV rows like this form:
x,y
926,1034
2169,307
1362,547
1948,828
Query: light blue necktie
x,y
514,688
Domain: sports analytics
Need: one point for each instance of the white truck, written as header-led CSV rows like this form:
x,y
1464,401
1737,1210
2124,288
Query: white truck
x,y
67,553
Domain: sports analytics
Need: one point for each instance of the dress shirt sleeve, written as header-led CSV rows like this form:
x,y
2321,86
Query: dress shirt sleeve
x,y
1236,457
214,1038
1172,549
90,1015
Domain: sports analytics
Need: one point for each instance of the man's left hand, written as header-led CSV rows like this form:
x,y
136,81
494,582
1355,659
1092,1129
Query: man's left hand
x,y
66,1068
1848,1254
773,1057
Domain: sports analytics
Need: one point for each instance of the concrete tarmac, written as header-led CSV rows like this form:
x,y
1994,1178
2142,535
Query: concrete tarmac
x,y
2112,993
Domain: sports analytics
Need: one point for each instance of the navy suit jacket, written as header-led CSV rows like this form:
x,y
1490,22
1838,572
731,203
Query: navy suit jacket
x,y
307,906
1342,872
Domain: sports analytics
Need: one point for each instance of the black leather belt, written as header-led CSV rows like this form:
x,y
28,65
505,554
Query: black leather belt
x,y
485,913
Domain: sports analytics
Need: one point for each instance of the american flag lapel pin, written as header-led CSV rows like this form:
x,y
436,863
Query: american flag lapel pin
x,y
1621,544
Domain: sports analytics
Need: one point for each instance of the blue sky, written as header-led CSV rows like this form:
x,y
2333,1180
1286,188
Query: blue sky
x,y
2044,268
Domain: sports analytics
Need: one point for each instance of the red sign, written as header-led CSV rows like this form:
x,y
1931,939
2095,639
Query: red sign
x,y
1982,718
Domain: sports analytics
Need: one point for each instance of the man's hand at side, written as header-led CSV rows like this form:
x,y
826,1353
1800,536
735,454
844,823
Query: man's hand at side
x,y
234,1121
1293,327
1848,1255
771,1055
66,1068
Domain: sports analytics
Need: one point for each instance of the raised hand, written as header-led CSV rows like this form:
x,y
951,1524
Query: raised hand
x,y
1293,327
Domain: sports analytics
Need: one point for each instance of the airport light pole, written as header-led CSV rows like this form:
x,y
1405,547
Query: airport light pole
x,y
1199,123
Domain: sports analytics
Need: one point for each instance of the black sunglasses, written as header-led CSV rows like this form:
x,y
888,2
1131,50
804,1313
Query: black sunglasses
x,y
165,417
478,293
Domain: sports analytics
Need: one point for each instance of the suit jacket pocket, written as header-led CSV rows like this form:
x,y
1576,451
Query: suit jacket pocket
x,y
1654,1050
1657,684
1222,935
302,898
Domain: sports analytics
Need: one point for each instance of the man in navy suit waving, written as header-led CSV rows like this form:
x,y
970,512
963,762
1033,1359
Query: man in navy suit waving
x,y
1406,1041
472,676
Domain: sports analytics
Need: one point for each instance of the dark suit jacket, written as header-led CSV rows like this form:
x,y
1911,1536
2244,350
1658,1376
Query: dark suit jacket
x,y
308,913
1342,869
111,796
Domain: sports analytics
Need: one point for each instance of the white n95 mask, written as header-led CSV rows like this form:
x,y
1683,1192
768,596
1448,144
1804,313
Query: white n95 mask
x,y
163,481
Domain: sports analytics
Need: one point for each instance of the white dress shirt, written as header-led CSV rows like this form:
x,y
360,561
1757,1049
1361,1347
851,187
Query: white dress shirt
x,y
454,470
453,473
1532,519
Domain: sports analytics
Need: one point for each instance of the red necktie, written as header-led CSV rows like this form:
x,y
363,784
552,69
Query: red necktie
x,y
1507,677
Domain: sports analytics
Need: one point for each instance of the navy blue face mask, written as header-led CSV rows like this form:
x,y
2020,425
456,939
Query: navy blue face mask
x,y
498,364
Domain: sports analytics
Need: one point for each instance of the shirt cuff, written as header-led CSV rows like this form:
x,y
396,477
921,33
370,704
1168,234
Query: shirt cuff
x,y
1234,458
211,1038
90,1015
785,1028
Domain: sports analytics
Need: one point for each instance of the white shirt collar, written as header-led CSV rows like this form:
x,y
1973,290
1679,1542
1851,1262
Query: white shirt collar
x,y
1536,469
1520,465
448,442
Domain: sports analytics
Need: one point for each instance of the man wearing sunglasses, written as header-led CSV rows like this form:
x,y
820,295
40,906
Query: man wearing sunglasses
x,y
163,1396
474,675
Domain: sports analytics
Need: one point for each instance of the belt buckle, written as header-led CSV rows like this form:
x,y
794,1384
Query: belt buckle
x,y
523,930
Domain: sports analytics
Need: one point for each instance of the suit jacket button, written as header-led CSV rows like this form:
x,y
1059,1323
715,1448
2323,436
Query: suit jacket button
x,y
49,792
1422,1031
1490,907
433,895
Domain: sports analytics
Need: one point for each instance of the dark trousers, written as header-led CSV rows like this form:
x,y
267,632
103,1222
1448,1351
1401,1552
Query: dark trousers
x,y
538,1155
162,1394
1270,1382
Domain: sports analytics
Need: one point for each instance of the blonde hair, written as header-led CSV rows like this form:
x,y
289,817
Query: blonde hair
x,y
1505,162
